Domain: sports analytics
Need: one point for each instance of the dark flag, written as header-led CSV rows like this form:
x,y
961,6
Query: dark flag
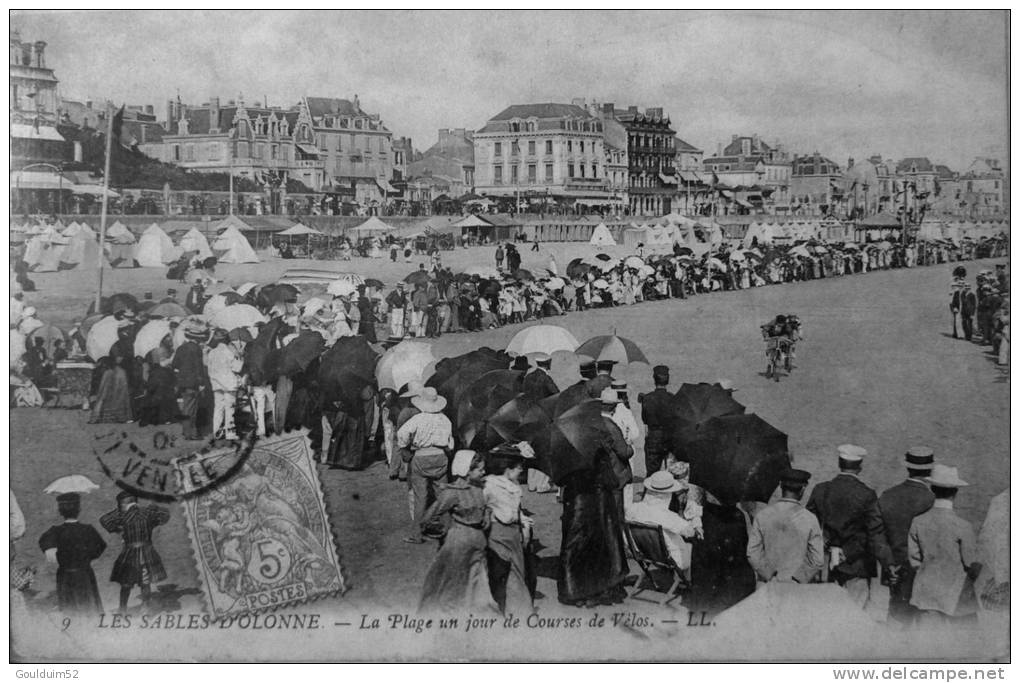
x,y
118,124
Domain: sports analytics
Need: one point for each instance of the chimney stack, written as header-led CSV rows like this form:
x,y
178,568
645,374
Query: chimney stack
x,y
608,109
214,114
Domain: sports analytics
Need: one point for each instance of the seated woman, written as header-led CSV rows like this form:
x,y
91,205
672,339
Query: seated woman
x,y
458,579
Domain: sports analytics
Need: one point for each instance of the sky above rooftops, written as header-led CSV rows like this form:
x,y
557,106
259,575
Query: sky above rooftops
x,y
843,83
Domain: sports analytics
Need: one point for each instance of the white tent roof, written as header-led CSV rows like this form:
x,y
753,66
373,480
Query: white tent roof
x,y
193,240
155,248
601,236
232,247
472,221
373,224
299,229
119,232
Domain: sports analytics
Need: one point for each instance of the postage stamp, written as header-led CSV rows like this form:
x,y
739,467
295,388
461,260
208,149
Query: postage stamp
x,y
261,538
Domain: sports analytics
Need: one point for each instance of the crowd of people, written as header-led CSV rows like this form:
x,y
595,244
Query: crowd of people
x,y
987,304
213,380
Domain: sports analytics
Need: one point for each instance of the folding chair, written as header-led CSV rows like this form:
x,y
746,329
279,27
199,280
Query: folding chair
x,y
647,545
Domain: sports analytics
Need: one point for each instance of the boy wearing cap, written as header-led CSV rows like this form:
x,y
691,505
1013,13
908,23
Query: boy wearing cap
x,y
900,505
942,550
847,510
73,546
656,413
138,562
785,542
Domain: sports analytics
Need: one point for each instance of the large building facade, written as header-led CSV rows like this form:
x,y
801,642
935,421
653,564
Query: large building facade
x,y
451,160
816,185
33,106
553,151
751,175
651,152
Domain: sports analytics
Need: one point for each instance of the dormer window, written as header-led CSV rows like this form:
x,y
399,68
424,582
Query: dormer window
x,y
358,123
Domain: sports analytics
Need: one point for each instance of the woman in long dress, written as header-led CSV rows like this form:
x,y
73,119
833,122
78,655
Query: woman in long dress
x,y
458,580
510,530
113,399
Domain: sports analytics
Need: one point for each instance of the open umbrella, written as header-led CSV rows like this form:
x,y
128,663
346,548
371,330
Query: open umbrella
x,y
454,375
683,251
611,347
116,302
352,278
645,271
696,404
101,337
299,353
238,315
738,458
523,275
372,282
218,302
555,284
635,262
49,334
341,288
150,336
717,264
72,483
345,369
519,419
169,310
571,441
606,266
600,284
541,339
481,400
417,277
403,363
577,268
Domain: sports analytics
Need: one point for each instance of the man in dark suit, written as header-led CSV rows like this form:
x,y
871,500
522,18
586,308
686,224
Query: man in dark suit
x,y
965,302
899,505
656,413
603,378
537,383
852,525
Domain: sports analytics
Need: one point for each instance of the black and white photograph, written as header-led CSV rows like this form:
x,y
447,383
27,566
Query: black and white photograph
x,y
444,336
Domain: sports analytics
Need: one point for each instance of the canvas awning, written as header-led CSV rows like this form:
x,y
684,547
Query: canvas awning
x,y
25,131
671,180
308,149
299,229
39,180
95,190
385,186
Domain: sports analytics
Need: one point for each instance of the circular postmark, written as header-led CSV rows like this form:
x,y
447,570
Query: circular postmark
x,y
163,467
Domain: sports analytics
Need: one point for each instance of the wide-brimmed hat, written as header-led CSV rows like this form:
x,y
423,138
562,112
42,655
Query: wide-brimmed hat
x,y
609,395
850,453
429,401
219,334
945,477
412,389
195,329
662,482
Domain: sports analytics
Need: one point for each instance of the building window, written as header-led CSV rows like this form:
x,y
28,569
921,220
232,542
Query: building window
x,y
532,173
548,147
189,152
498,149
257,151
570,170
214,151
594,170
548,173
531,148
582,146
570,146
514,175
242,150
176,152
358,123
497,174
515,148
580,169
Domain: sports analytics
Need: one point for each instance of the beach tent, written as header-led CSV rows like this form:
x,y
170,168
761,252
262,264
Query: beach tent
x,y
193,240
119,233
298,229
601,237
46,255
82,252
634,236
155,248
232,247
373,226
757,231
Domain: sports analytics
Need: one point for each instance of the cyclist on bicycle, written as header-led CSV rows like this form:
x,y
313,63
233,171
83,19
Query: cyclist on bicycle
x,y
777,328
780,335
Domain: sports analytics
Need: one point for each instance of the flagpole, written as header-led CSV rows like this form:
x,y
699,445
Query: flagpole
x,y
106,195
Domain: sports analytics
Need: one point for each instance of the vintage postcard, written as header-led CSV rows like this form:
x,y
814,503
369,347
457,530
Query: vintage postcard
x,y
532,336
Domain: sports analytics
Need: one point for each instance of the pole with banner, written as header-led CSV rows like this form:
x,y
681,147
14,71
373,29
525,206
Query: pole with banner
x,y
106,199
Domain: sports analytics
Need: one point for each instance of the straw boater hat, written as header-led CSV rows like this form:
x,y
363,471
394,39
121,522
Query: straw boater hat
x,y
919,458
946,477
662,482
429,401
195,330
